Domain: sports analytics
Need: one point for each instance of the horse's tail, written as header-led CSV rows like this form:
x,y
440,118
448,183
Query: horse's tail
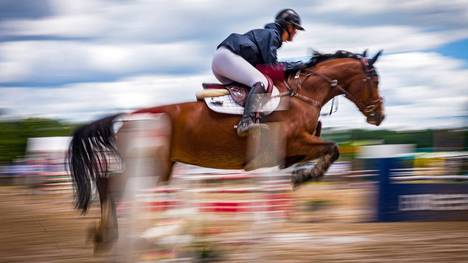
x,y
88,157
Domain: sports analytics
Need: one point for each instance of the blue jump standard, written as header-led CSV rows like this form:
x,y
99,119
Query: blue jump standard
x,y
418,201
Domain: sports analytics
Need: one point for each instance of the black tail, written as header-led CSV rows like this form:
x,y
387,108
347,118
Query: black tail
x,y
88,157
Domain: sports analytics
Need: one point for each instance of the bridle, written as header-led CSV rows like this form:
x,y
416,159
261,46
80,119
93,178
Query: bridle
x,y
369,72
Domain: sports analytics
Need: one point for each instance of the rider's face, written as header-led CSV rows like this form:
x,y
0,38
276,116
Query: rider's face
x,y
291,32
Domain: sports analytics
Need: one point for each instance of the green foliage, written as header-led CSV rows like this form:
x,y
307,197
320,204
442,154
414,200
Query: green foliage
x,y
14,135
421,139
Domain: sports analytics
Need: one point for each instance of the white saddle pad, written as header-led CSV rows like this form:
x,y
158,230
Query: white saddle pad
x,y
225,104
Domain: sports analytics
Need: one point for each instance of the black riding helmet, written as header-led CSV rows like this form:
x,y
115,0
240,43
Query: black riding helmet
x,y
288,17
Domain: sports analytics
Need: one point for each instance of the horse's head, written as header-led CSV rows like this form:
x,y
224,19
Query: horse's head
x,y
363,90
358,81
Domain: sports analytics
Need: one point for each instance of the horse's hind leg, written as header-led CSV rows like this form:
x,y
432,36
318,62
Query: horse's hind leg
x,y
313,148
106,232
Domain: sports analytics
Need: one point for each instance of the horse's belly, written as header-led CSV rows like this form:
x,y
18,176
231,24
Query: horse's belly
x,y
211,159
210,150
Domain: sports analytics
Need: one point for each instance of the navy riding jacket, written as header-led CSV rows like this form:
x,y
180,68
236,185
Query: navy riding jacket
x,y
258,46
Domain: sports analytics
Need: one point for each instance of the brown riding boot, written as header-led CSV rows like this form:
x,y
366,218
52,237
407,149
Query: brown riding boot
x,y
252,104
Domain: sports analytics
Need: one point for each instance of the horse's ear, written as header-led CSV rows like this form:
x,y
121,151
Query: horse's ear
x,y
364,54
314,52
376,56
311,51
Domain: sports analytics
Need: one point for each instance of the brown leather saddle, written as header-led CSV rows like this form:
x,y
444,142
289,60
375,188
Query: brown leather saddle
x,y
237,91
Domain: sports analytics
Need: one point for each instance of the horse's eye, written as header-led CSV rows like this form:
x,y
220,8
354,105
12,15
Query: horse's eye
x,y
375,80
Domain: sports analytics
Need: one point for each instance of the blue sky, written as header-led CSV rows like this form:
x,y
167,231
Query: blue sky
x,y
79,60
456,49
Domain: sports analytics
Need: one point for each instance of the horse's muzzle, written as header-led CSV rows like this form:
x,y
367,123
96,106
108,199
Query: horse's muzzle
x,y
375,119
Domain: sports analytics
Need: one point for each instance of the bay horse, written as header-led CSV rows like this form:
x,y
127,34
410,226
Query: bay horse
x,y
205,138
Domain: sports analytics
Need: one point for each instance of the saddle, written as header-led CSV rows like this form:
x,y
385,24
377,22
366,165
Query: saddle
x,y
230,98
237,91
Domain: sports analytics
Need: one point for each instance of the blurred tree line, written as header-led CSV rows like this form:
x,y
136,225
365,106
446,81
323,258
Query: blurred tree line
x,y
424,140
444,138
14,135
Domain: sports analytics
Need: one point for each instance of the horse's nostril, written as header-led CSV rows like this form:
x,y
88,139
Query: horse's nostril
x,y
380,119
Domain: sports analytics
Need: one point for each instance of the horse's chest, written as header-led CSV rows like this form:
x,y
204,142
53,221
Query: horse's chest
x,y
302,125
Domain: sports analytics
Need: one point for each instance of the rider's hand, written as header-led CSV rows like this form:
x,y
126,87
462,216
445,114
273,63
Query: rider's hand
x,y
293,67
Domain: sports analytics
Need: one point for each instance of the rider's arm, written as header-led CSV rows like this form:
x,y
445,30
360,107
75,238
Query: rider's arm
x,y
269,42
269,53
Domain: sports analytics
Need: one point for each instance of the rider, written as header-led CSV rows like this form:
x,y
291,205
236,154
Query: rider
x,y
236,57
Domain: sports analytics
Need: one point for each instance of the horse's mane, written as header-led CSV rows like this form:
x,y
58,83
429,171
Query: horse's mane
x,y
318,58
321,57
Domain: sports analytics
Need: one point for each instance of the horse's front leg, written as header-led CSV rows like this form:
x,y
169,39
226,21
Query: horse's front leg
x,y
313,147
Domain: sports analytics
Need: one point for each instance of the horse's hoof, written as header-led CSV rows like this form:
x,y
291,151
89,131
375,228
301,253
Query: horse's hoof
x,y
102,247
103,244
295,182
302,176
92,233
102,241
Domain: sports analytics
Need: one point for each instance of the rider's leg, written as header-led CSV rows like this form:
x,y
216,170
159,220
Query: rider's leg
x,y
229,66
252,102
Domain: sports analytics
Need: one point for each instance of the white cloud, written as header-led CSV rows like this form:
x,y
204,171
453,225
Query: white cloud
x,y
429,14
160,39
85,101
42,61
369,6
328,38
66,26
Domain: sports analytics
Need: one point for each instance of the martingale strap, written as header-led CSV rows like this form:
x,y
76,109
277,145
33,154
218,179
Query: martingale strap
x,y
294,91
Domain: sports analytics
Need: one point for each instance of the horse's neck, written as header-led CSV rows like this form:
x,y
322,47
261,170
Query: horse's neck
x,y
342,70
329,94
317,89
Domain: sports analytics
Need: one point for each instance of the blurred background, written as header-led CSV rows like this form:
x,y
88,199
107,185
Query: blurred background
x,y
64,63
